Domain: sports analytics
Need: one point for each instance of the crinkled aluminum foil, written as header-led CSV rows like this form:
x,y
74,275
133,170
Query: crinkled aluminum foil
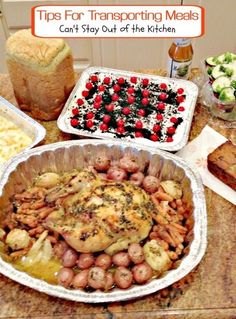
x,y
64,156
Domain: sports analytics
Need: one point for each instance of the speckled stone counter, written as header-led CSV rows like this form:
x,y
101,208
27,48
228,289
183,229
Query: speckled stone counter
x,y
207,292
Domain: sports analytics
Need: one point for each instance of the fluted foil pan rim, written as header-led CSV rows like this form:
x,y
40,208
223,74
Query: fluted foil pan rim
x,y
197,248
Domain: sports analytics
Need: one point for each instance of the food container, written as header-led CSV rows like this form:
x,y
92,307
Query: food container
x,y
63,156
180,137
219,108
223,110
23,121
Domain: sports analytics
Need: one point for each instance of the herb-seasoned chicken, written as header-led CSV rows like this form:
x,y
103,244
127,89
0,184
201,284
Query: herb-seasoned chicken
x,y
103,215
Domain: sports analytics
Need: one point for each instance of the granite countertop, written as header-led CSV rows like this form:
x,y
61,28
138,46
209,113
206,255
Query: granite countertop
x,y
209,291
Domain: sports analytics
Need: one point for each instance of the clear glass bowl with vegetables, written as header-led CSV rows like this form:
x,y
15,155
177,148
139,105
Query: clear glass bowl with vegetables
x,y
219,93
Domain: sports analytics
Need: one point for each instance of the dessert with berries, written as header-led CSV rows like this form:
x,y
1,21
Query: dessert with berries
x,y
130,107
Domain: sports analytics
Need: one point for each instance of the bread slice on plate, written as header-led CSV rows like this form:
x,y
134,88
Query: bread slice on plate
x,y
222,163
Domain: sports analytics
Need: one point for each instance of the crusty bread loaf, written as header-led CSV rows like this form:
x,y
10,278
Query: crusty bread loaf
x,y
41,71
222,163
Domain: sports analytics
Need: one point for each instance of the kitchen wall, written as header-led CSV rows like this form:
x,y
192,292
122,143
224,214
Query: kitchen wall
x,y
125,53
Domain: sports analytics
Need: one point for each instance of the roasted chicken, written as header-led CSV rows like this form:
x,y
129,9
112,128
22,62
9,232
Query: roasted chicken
x,y
103,215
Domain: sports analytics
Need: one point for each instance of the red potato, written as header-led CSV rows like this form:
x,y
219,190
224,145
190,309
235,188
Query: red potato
x,y
81,279
65,276
116,174
60,248
129,164
102,163
104,261
135,253
150,184
69,258
85,261
137,178
123,277
121,259
142,273
109,281
96,277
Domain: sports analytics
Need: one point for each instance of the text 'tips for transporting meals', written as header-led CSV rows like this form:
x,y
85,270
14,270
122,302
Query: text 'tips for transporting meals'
x,y
122,21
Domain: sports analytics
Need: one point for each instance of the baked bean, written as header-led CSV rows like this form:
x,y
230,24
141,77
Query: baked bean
x,y
179,202
101,163
160,219
155,228
150,184
163,197
162,243
153,235
116,174
2,234
180,209
179,249
123,277
189,223
172,255
81,279
65,276
109,281
129,165
104,261
173,204
96,277
121,259
142,273
37,230
69,258
52,239
135,253
137,178
85,260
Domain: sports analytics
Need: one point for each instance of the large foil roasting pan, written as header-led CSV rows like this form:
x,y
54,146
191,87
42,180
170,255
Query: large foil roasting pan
x,y
64,156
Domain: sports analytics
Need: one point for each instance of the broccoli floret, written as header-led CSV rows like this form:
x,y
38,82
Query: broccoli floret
x,y
229,72
209,71
222,68
228,57
233,84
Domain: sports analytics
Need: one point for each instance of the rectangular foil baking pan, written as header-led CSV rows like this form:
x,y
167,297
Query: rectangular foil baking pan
x,y
182,132
64,156
32,128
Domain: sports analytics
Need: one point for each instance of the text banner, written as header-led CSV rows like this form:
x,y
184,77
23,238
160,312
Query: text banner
x,y
117,21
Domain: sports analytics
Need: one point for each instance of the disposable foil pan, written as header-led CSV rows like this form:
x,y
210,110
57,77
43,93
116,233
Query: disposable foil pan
x,y
64,156
32,128
182,132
